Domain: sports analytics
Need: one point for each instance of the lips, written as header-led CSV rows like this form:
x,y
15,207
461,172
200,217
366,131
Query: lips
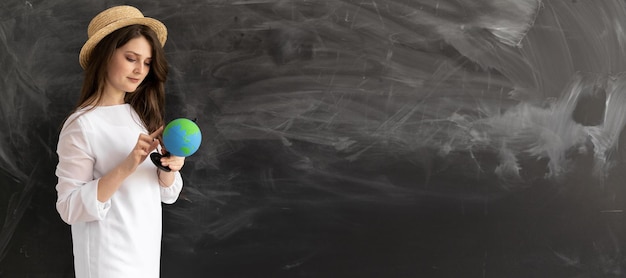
x,y
134,80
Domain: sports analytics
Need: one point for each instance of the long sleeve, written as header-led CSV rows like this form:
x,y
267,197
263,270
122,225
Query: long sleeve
x,y
77,188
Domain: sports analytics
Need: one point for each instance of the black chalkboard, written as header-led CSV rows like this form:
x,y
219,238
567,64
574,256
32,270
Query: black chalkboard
x,y
399,138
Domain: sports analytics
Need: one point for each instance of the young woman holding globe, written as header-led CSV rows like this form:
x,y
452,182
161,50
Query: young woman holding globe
x,y
108,191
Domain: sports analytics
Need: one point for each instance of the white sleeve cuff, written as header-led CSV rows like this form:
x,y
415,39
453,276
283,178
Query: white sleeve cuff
x,y
170,194
94,208
103,208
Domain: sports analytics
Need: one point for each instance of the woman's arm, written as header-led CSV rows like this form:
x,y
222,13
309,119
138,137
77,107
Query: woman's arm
x,y
111,182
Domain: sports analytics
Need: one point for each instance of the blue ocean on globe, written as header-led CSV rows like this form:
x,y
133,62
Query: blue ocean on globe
x,y
182,137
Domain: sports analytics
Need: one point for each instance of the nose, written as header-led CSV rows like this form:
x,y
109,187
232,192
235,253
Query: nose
x,y
140,68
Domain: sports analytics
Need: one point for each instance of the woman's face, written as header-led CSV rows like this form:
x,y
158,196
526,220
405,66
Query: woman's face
x,y
129,66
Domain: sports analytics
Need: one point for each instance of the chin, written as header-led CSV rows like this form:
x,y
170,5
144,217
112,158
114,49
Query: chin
x,y
131,90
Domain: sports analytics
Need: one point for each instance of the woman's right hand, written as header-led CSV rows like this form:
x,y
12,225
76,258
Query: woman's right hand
x,y
144,146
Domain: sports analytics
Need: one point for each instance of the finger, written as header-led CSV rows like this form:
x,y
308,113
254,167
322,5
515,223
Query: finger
x,y
173,158
154,144
156,133
173,161
139,154
145,138
147,146
174,166
143,144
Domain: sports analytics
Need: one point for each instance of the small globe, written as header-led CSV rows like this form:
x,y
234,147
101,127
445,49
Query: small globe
x,y
182,137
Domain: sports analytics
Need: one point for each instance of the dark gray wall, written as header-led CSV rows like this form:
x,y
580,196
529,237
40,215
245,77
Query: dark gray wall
x,y
458,138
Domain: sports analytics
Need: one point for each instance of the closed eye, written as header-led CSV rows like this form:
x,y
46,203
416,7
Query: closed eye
x,y
134,57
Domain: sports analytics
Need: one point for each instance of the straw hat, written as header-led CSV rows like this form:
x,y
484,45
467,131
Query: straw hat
x,y
113,19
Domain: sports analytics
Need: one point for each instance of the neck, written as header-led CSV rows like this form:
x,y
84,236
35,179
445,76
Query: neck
x,y
109,98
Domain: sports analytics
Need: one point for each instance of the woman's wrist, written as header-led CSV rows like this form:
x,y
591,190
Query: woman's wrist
x,y
166,179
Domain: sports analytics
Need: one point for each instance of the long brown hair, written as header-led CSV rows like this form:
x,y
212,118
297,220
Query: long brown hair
x,y
149,98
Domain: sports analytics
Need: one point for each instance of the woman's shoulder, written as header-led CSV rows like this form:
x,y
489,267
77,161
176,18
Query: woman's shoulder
x,y
75,120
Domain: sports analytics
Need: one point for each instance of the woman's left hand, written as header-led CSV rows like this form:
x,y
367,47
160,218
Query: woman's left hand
x,y
174,162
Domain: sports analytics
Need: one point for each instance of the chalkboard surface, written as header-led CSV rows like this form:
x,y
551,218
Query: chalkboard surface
x,y
399,138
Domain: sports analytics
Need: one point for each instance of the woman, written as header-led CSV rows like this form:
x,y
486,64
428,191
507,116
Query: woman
x,y
107,190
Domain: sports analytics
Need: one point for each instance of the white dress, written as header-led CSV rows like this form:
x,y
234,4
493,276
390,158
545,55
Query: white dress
x,y
122,237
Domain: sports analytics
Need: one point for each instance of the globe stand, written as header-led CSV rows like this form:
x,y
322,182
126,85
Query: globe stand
x,y
156,159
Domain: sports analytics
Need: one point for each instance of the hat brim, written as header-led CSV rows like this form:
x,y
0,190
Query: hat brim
x,y
158,27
